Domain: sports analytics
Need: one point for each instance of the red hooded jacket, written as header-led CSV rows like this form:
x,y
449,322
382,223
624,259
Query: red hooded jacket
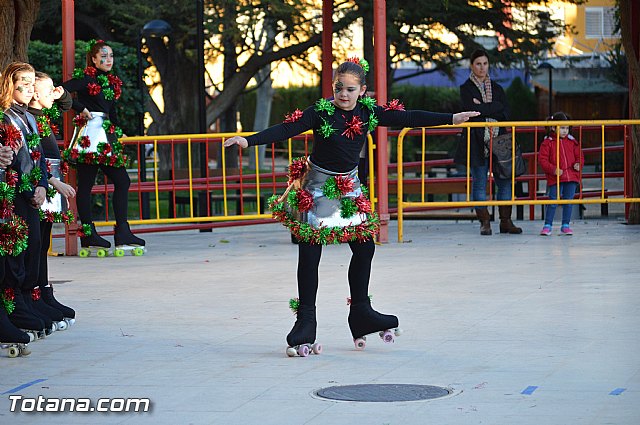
x,y
570,154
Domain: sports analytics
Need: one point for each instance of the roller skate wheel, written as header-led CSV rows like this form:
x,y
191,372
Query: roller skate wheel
x,y
397,332
303,350
24,351
70,321
316,348
14,352
101,253
119,252
291,352
84,253
62,325
387,336
138,252
360,343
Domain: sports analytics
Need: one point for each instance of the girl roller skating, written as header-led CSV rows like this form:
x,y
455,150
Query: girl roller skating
x,y
325,203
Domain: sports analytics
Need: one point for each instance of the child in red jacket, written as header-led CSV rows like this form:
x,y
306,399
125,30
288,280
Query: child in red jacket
x,y
564,168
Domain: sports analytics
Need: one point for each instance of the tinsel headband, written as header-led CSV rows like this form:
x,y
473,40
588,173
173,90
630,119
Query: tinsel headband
x,y
92,43
360,61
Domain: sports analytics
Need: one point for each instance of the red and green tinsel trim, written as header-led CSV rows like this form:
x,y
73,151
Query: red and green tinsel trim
x,y
13,236
360,61
110,154
368,102
394,105
326,129
324,105
335,187
29,181
349,299
109,84
324,235
57,217
301,199
85,231
35,294
297,169
353,127
7,296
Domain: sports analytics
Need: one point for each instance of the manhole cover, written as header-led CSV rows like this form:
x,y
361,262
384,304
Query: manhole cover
x,y
383,392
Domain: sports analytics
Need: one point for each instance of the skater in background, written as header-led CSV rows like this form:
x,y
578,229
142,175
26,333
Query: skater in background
x,y
97,146
479,92
564,168
325,203
43,108
21,271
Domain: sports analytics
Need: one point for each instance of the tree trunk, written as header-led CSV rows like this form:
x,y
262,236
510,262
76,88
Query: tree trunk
x,y
631,48
17,18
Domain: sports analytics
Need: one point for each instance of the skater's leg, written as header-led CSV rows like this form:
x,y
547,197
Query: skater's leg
x,y
8,332
304,330
86,179
360,269
121,182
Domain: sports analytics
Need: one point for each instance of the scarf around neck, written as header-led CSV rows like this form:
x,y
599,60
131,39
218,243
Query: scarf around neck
x,y
487,97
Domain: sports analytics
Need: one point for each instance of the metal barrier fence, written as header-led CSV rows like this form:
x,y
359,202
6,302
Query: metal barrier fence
x,y
532,177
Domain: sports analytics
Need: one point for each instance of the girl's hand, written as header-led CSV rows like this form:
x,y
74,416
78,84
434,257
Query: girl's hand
x,y
39,196
85,113
461,117
58,92
576,166
237,140
63,188
6,156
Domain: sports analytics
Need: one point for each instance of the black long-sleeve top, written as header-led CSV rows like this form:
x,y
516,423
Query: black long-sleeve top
x,y
340,150
84,100
50,143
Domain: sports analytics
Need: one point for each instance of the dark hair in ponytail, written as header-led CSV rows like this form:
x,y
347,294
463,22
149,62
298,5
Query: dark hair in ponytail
x,y
353,69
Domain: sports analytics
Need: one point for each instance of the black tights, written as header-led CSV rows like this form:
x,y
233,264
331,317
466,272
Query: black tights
x,y
359,270
86,179
45,239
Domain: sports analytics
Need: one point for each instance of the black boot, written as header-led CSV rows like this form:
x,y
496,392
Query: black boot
x,y
506,225
94,239
28,297
49,299
46,310
123,236
304,330
12,338
364,320
21,316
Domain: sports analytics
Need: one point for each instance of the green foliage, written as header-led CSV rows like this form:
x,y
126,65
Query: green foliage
x,y
48,58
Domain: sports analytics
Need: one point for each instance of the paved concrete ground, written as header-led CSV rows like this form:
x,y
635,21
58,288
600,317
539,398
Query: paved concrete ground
x,y
523,329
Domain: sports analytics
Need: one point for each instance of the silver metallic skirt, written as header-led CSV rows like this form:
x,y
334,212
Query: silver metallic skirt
x,y
54,204
94,131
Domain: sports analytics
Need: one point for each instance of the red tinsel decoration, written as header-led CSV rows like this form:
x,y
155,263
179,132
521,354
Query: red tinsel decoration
x,y
305,200
6,208
85,142
344,184
394,105
297,169
54,128
10,136
112,129
35,155
354,127
294,116
35,294
364,206
354,59
107,149
74,154
64,168
91,71
89,156
93,89
8,294
80,120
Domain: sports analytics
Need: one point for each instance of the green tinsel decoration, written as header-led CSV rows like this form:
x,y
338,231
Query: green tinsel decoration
x,y
86,229
103,80
33,140
108,94
9,305
51,192
373,123
325,105
294,304
368,102
46,130
53,113
330,189
292,198
6,191
364,64
119,133
1,115
348,207
306,232
365,191
326,129
78,73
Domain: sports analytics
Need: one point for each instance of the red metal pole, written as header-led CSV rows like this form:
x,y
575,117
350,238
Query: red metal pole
x,y
68,63
327,47
380,77
628,141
